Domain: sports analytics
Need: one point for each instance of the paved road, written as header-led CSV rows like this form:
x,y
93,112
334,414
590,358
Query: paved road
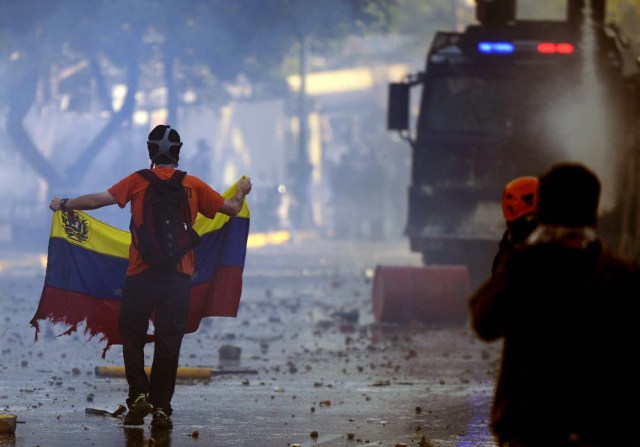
x,y
354,384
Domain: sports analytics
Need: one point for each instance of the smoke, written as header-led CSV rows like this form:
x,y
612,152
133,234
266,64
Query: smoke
x,y
583,124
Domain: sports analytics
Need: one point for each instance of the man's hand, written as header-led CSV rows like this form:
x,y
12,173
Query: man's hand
x,y
55,204
245,185
231,207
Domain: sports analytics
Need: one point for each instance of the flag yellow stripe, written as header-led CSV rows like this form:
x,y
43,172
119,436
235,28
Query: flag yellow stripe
x,y
204,225
91,234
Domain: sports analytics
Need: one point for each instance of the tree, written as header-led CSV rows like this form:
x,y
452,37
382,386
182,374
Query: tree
x,y
194,44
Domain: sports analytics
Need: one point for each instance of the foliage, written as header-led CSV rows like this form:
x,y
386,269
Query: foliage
x,y
196,45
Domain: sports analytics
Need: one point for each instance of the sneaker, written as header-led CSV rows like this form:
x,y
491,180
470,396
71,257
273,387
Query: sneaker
x,y
138,410
161,436
161,420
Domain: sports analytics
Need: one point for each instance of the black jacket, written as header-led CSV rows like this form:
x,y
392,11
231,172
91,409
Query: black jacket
x,y
566,308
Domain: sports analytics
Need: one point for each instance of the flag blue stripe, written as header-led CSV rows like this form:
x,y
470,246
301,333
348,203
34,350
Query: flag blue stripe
x,y
224,247
73,268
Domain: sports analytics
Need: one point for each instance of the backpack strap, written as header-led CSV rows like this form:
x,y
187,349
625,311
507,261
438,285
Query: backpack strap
x,y
177,176
152,177
149,175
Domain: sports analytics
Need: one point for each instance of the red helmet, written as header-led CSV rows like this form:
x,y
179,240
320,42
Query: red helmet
x,y
520,197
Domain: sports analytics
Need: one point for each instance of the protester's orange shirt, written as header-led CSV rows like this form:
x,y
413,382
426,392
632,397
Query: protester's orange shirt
x,y
202,199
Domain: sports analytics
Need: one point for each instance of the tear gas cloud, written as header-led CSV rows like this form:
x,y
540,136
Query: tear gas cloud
x,y
357,149
584,124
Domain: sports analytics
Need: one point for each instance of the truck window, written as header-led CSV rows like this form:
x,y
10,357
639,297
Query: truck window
x,y
541,10
490,105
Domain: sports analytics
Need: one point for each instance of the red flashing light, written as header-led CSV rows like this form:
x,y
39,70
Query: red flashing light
x,y
564,48
546,47
553,48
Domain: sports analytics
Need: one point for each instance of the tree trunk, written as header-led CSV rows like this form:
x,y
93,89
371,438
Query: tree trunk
x,y
103,93
23,97
79,168
172,99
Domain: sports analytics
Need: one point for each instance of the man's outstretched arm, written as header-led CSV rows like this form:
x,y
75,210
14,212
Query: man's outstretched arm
x,y
85,202
231,207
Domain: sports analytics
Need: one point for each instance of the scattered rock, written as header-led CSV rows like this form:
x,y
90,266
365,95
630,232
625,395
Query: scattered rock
x,y
424,442
325,324
350,316
229,352
347,327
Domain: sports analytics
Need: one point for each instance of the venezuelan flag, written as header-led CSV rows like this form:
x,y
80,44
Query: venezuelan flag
x,y
87,263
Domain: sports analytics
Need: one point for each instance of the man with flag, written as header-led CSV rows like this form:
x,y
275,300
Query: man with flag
x,y
154,291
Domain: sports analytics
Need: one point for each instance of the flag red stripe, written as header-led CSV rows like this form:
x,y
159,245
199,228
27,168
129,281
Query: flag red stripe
x,y
219,297
72,308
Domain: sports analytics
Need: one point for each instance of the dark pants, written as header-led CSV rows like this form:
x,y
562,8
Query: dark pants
x,y
166,293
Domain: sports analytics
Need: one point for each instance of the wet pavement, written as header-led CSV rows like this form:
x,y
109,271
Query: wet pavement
x,y
317,370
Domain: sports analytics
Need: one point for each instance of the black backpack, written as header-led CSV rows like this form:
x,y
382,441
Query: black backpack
x,y
165,234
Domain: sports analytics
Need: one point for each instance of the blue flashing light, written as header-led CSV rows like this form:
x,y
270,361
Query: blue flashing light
x,y
496,47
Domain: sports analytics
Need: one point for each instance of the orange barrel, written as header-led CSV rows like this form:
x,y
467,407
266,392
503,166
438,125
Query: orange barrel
x,y
431,294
